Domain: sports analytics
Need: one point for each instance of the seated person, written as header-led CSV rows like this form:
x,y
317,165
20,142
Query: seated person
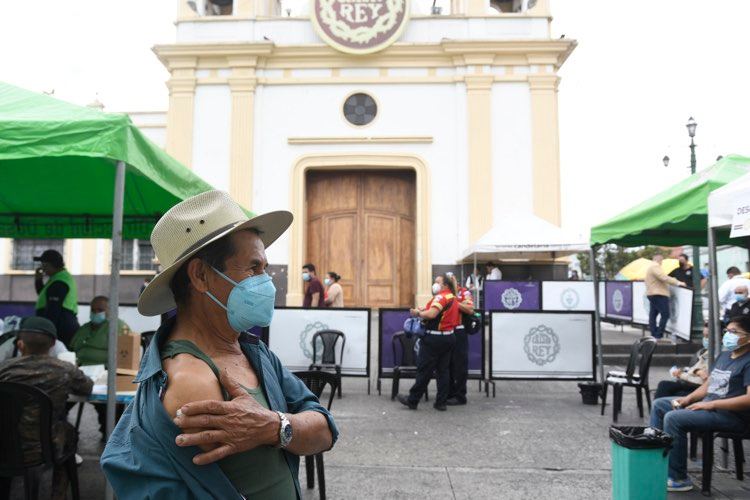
x,y
722,403
90,345
686,380
741,307
58,379
9,349
210,393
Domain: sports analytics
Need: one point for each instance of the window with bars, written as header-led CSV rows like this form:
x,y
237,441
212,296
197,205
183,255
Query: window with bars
x,y
137,255
24,252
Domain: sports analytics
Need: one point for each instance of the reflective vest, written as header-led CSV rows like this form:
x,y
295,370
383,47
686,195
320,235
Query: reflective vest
x,y
71,299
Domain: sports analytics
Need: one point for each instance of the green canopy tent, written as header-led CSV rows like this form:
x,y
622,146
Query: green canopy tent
x,y
74,172
676,216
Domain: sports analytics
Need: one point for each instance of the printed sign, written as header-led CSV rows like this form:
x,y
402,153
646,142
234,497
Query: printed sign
x,y
359,26
292,329
568,296
619,300
641,305
542,345
512,295
740,219
680,312
392,321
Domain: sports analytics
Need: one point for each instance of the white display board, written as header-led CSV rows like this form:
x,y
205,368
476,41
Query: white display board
x,y
681,312
602,300
292,329
641,306
542,345
129,314
568,296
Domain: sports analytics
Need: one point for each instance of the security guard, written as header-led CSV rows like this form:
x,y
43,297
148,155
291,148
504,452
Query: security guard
x,y
441,319
58,298
459,367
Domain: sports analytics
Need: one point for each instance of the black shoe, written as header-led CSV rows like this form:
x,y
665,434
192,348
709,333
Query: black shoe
x,y
439,407
455,402
405,401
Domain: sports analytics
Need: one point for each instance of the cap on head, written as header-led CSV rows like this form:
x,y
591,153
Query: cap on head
x,y
37,324
51,257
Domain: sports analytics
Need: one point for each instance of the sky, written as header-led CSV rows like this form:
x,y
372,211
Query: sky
x,y
640,70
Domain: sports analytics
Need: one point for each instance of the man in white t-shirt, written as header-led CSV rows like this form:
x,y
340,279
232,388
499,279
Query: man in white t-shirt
x,y
493,272
726,291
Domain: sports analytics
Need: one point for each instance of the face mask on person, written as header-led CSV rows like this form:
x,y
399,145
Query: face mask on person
x,y
327,281
436,288
306,276
98,318
705,343
250,302
740,297
730,341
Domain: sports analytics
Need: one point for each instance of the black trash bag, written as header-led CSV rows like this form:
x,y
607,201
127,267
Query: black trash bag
x,y
640,438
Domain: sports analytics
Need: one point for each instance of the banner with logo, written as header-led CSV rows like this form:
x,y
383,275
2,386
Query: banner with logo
x,y
741,218
512,295
568,296
542,345
291,332
680,312
619,300
391,321
641,304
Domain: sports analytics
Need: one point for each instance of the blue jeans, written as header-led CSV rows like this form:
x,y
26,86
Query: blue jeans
x,y
677,423
659,305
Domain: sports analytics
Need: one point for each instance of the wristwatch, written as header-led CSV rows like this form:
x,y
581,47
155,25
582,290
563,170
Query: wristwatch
x,y
285,432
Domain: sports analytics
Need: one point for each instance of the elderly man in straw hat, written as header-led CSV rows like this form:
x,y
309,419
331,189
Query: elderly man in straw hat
x,y
216,415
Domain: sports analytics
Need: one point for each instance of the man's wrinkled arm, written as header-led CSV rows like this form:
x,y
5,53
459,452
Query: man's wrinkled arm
x,y
81,385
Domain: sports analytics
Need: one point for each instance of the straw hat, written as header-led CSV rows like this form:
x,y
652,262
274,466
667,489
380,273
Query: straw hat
x,y
191,225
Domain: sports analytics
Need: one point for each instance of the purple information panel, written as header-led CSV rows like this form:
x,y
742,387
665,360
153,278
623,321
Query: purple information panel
x,y
512,295
619,296
392,321
20,309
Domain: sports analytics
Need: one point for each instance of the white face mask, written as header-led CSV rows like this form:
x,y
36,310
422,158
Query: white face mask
x,y
327,281
436,288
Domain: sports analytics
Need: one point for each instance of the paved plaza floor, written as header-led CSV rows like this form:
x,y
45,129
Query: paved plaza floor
x,y
535,440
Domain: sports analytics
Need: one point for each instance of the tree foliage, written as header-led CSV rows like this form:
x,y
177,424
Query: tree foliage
x,y
611,258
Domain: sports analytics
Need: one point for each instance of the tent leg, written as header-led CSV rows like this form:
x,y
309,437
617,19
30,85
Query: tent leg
x,y
713,290
597,318
114,301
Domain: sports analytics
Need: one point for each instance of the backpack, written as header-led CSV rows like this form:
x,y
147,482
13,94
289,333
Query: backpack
x,y
472,323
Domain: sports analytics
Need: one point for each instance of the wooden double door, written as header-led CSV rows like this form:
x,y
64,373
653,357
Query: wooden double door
x,y
360,224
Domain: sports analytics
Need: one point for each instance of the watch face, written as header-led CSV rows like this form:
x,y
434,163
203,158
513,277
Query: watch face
x,y
287,433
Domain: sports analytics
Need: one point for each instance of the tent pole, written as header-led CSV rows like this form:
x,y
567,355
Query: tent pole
x,y
114,302
476,284
713,286
597,318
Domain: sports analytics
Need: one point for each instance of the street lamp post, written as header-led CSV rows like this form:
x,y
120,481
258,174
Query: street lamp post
x,y
697,331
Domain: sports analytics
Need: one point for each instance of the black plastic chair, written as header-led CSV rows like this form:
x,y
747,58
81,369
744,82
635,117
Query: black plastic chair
x,y
328,361
316,381
15,400
640,357
406,363
708,455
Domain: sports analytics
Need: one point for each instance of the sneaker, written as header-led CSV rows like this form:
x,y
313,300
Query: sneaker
x,y
440,407
681,485
455,402
405,401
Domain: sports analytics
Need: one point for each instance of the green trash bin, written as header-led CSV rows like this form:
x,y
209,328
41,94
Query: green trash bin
x,y
639,463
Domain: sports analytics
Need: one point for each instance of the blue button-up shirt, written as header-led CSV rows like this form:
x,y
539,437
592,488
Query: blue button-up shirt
x,y
141,459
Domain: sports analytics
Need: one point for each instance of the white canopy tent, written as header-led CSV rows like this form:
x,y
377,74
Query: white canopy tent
x,y
526,237
723,204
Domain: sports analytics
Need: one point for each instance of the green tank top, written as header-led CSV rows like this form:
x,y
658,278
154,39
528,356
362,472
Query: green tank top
x,y
258,474
71,299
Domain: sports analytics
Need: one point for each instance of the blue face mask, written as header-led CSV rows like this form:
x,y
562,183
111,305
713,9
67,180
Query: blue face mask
x,y
730,341
306,276
740,297
250,302
705,343
98,318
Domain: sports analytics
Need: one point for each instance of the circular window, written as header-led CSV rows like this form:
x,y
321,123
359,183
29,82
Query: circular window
x,y
360,109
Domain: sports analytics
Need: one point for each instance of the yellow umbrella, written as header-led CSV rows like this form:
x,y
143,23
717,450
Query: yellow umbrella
x,y
636,270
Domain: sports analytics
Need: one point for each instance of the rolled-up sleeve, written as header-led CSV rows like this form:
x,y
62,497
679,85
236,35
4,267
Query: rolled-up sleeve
x,y
298,397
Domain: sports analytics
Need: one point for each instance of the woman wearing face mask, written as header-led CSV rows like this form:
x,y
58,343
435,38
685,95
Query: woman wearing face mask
x,y
334,292
722,403
686,380
210,393
441,316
